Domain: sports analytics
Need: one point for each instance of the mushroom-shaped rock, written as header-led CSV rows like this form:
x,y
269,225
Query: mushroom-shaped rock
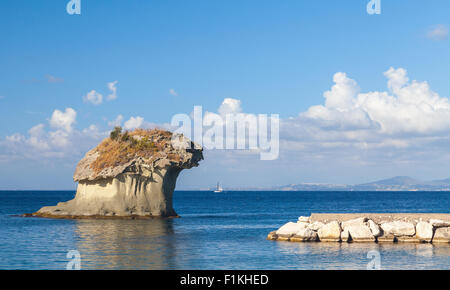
x,y
130,174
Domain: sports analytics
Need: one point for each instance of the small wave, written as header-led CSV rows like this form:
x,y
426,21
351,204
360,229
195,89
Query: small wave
x,y
240,226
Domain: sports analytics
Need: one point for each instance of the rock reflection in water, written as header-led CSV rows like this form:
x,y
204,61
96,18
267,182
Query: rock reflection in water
x,y
355,255
125,244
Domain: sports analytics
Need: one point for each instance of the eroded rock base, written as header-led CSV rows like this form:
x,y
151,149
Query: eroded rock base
x,y
365,228
126,196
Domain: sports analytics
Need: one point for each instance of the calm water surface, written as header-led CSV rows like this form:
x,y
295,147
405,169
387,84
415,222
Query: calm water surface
x,y
216,231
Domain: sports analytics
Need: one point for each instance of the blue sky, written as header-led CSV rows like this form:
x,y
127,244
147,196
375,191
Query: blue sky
x,y
273,56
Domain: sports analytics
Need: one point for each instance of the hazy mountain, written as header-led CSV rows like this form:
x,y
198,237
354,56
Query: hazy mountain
x,y
442,181
394,181
398,183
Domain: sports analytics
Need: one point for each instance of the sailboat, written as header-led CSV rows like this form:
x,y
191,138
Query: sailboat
x,y
218,188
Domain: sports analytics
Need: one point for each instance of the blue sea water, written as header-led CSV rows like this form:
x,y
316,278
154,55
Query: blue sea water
x,y
216,231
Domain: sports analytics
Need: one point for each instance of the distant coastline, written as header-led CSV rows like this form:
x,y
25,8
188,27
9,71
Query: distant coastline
x,y
394,184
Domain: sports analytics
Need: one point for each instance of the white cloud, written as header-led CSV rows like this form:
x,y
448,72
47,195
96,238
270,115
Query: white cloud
x,y
341,96
63,120
230,106
173,92
37,137
116,122
409,115
93,97
397,78
231,115
93,132
139,122
97,98
133,123
438,32
15,138
403,126
60,140
112,87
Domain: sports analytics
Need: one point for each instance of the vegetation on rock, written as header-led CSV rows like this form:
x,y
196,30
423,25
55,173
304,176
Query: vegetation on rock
x,y
122,147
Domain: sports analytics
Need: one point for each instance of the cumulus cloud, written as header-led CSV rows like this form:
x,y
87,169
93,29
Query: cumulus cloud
x,y
93,132
230,106
63,120
133,123
406,124
232,128
113,88
37,137
342,94
173,92
438,32
139,122
57,139
15,138
97,98
116,122
408,116
93,97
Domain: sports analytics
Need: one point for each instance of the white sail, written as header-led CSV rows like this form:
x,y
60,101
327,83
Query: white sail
x,y
218,188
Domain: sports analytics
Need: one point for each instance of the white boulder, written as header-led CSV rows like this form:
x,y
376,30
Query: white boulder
x,y
360,233
330,232
315,226
442,235
374,228
305,235
357,221
398,228
356,230
439,223
290,228
424,231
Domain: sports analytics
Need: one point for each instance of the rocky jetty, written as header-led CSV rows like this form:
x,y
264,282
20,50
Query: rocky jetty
x,y
129,174
363,228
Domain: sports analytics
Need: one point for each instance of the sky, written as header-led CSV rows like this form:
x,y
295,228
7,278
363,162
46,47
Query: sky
x,y
361,97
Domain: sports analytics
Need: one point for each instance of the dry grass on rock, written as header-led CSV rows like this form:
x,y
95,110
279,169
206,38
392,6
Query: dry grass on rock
x,y
120,148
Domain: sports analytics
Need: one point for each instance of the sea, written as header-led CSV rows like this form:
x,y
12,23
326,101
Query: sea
x,y
224,230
